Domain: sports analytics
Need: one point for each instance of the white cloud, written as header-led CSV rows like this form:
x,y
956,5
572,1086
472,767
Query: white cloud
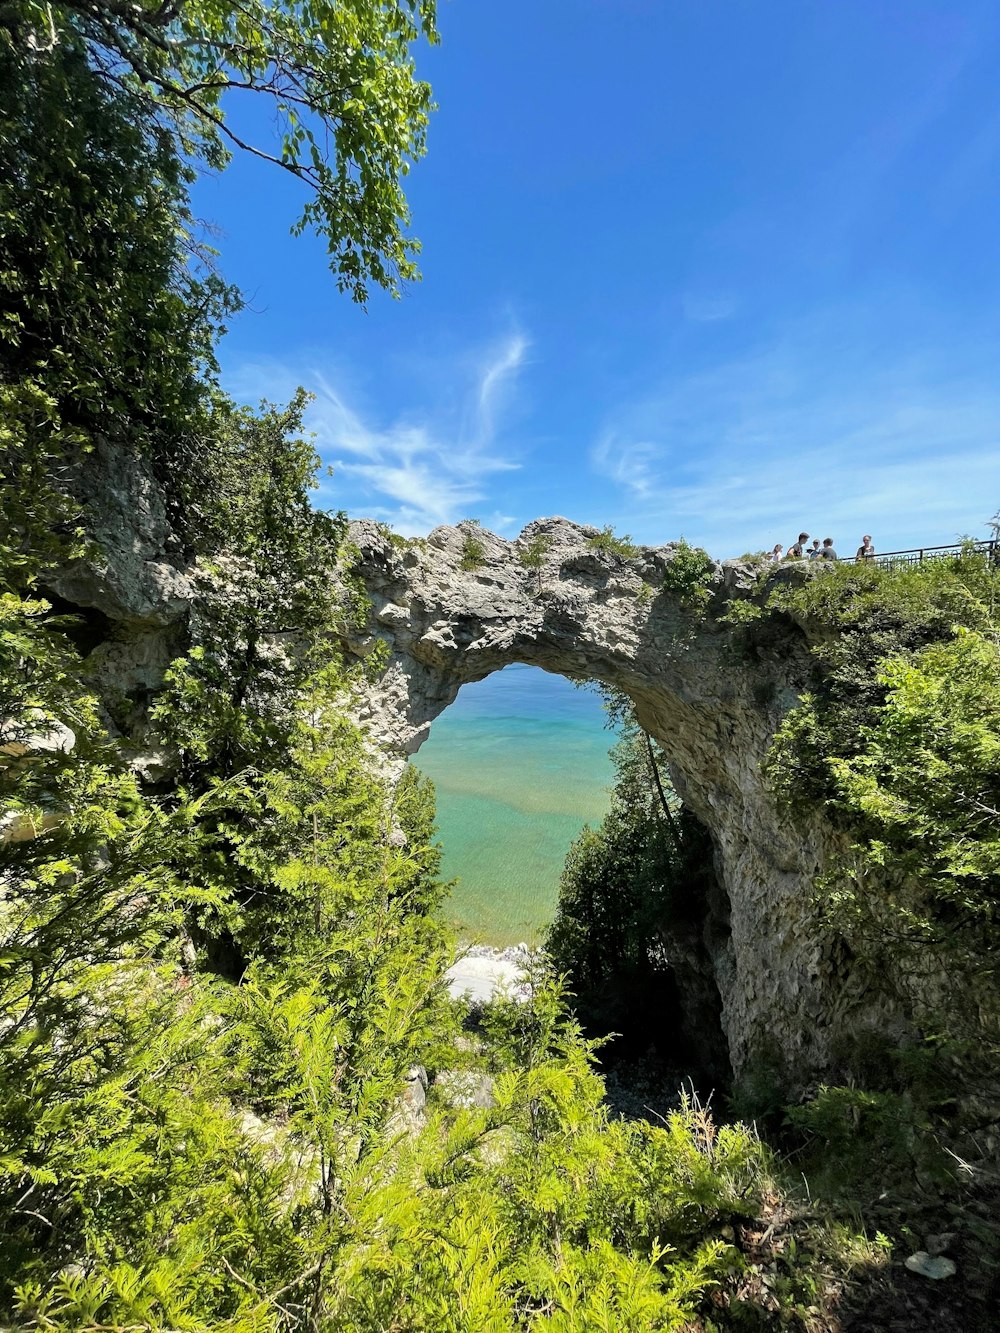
x,y
813,431
421,470
497,375
504,524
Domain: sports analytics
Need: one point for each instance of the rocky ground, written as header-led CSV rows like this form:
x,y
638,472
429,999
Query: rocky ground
x,y
481,972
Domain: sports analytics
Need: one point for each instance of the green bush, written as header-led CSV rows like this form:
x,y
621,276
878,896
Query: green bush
x,y
473,551
898,737
688,576
609,543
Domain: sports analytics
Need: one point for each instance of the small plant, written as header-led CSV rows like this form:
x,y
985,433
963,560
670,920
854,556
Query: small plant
x,y
610,543
644,595
689,576
532,556
741,613
473,550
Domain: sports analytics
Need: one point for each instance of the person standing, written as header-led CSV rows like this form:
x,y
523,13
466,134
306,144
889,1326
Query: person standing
x,y
814,552
828,553
865,551
775,555
797,550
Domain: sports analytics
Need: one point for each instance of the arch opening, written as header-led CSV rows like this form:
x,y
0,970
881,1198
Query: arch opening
x,y
520,762
556,842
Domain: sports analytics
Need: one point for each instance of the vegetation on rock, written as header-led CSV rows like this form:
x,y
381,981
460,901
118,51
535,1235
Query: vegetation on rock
x,y
532,556
608,541
689,575
473,550
896,738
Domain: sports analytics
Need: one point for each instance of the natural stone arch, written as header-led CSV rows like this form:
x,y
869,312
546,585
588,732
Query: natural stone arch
x,y
593,614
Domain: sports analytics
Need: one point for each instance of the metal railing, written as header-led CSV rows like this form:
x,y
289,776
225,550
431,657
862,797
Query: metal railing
x,y
919,554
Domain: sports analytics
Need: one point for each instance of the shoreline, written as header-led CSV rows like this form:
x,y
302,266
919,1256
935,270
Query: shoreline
x,y
482,970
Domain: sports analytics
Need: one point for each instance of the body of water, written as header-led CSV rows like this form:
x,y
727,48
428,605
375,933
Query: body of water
x,y
520,762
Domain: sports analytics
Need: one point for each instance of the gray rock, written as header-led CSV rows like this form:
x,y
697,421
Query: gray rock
x,y
34,735
757,961
465,1088
940,1244
410,1114
479,978
934,1266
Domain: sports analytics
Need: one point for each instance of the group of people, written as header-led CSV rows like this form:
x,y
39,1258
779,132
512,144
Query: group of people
x,y
800,551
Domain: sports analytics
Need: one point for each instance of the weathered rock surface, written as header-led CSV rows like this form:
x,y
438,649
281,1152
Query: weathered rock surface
x,y
138,575
589,614
132,593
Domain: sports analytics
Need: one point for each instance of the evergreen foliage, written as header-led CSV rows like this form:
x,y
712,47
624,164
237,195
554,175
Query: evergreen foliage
x,y
629,892
473,550
180,1151
532,556
897,736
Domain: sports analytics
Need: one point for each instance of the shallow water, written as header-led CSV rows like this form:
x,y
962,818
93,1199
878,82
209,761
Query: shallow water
x,y
520,762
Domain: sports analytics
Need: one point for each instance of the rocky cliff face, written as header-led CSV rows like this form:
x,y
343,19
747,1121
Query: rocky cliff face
x,y
447,617
132,594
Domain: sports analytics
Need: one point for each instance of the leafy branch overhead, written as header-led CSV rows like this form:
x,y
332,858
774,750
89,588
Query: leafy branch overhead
x,y
338,78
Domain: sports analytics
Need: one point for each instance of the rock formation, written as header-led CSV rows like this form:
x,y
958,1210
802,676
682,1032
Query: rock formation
x,y
461,604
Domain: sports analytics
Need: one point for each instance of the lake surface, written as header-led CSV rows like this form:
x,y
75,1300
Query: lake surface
x,y
520,762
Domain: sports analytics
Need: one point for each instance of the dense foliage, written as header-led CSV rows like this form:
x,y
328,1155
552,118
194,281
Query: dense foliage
x,y
688,576
106,332
185,1151
631,899
898,737
218,992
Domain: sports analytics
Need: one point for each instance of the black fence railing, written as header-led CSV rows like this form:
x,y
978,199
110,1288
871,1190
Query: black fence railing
x,y
920,554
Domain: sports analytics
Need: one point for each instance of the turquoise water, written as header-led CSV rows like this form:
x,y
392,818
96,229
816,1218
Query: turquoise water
x,y
520,762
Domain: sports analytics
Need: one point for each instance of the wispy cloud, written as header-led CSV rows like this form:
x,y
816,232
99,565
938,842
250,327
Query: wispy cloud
x,y
809,431
426,467
494,381
707,309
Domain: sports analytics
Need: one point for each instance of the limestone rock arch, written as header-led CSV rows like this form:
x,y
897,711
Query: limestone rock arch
x,y
462,603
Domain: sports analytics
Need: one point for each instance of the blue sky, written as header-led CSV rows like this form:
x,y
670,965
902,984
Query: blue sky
x,y
700,267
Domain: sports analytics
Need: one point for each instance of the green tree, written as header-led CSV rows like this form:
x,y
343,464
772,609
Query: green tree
x,y
268,604
631,893
338,77
532,556
107,333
